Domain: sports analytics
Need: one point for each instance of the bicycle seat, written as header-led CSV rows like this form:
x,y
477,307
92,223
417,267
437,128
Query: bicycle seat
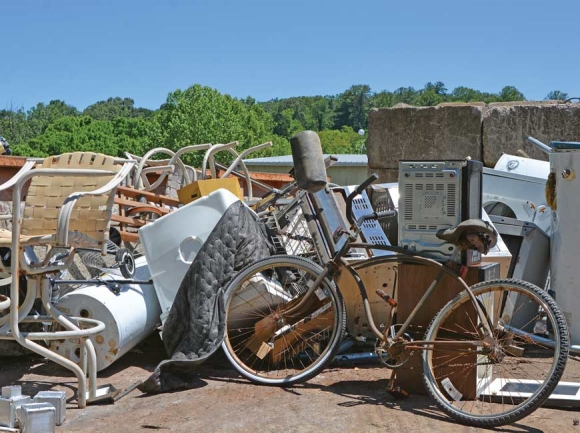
x,y
473,234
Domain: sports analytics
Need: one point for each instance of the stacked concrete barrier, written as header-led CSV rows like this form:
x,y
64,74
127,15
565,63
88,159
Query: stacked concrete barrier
x,y
403,132
506,126
458,130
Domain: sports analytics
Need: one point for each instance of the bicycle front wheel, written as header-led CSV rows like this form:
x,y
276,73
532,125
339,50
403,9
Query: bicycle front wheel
x,y
268,339
507,375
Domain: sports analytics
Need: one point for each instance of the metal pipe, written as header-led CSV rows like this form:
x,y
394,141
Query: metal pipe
x,y
363,356
23,310
262,185
144,160
208,158
543,147
243,154
4,302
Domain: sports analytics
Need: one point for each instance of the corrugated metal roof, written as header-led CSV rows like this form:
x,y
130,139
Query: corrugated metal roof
x,y
286,160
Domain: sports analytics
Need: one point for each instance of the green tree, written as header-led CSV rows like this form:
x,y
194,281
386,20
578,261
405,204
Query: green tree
x,y
13,126
382,99
41,116
116,107
69,134
406,95
510,93
466,94
345,140
352,107
200,114
556,95
437,88
428,98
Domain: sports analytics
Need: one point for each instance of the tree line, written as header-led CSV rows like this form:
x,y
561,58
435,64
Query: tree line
x,y
201,114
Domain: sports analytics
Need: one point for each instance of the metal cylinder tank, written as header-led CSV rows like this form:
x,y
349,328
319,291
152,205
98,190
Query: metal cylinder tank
x,y
130,313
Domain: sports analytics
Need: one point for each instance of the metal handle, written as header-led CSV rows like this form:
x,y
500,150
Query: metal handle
x,y
543,147
359,189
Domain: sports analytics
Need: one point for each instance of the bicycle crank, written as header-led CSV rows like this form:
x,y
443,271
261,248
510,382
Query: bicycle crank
x,y
391,351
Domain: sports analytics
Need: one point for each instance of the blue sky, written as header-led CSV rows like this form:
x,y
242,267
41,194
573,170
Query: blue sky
x,y
84,51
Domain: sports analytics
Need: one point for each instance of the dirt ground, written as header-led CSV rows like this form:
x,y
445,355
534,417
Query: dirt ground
x,y
343,398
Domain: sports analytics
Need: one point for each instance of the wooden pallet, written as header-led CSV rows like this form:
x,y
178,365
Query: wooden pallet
x,y
137,208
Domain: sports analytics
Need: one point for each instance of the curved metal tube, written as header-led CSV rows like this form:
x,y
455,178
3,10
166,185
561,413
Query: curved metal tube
x,y
243,154
25,308
144,160
4,302
208,157
240,160
187,149
247,173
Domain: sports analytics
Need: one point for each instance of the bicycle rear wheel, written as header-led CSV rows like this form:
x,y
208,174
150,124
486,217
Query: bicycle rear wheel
x,y
512,373
264,342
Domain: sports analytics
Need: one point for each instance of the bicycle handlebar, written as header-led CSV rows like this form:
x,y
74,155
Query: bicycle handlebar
x,y
359,189
375,216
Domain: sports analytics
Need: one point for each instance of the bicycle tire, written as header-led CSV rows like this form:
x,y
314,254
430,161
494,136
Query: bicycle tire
x,y
515,373
288,349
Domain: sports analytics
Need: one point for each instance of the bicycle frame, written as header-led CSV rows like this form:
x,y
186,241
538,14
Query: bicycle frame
x,y
337,264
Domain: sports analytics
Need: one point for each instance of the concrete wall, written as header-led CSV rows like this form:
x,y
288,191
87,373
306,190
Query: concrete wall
x,y
456,131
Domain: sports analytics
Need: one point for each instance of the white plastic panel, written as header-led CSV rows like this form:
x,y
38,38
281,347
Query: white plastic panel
x,y
172,242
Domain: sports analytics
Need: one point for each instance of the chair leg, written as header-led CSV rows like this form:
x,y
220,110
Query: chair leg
x,y
89,363
10,327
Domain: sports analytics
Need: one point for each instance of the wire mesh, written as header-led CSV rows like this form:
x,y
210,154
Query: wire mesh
x,y
289,230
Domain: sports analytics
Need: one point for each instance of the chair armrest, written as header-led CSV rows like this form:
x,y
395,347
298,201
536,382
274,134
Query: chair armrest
x,y
69,203
187,149
28,165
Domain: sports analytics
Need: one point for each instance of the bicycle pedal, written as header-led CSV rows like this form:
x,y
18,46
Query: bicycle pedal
x,y
398,393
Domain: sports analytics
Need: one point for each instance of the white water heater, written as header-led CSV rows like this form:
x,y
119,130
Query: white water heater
x,y
130,313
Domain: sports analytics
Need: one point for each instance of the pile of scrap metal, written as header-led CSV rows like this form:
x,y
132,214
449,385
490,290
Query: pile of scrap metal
x,y
63,243
167,212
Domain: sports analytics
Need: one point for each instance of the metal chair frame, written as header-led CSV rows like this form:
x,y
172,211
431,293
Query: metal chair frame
x,y
42,174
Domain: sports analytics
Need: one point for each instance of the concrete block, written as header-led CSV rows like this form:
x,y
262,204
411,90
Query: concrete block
x,y
386,175
446,131
507,124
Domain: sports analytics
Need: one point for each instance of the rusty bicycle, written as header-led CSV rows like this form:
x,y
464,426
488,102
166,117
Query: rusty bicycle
x,y
490,357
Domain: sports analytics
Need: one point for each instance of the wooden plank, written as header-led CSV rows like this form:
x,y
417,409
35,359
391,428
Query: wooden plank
x,y
129,236
132,203
150,196
413,282
135,222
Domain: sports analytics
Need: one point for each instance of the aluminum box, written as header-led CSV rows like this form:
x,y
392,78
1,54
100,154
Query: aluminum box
x,y
36,418
11,391
8,408
57,399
